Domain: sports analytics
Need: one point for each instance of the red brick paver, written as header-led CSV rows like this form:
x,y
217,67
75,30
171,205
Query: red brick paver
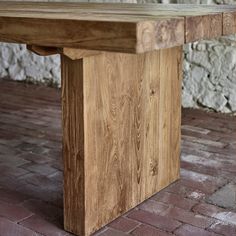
x,y
31,173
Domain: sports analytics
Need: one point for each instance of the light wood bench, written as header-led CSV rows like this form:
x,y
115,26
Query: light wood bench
x,y
121,94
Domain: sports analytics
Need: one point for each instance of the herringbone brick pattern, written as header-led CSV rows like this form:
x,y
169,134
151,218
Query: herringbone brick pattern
x,y
31,172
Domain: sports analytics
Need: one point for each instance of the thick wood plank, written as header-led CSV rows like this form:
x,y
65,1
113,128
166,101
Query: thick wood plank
x,y
164,33
115,8
119,36
170,114
129,109
99,35
203,27
73,145
132,28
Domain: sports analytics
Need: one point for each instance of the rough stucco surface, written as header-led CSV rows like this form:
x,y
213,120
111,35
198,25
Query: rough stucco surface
x,y
210,75
209,78
17,63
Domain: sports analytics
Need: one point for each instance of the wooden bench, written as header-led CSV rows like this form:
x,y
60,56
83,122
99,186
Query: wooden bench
x,y
121,94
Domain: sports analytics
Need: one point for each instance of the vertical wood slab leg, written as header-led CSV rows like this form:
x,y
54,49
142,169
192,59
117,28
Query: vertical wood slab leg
x,y
121,141
73,145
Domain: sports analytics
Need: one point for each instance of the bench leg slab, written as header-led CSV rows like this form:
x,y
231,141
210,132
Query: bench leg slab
x,y
121,133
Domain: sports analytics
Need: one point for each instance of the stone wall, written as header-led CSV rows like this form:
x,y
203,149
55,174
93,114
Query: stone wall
x,y
210,75
209,68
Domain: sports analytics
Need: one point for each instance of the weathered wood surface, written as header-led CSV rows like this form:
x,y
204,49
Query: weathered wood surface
x,y
43,51
73,145
121,119
72,53
132,28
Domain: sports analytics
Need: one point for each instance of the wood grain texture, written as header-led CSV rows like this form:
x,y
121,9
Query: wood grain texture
x,y
73,145
72,53
170,115
152,35
75,54
122,144
132,28
203,27
229,23
64,9
119,36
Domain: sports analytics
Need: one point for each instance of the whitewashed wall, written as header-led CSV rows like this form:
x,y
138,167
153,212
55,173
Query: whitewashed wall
x,y
209,67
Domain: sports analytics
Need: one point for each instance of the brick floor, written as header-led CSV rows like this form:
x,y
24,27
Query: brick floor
x,y
31,172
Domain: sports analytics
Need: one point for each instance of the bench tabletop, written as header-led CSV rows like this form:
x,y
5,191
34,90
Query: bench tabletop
x,y
116,27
